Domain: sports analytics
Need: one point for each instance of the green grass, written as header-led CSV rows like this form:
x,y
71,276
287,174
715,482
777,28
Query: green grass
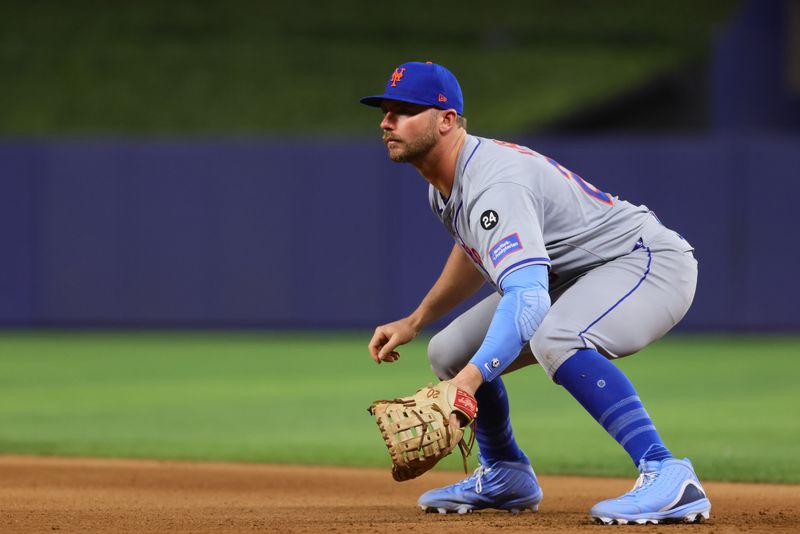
x,y
730,403
245,66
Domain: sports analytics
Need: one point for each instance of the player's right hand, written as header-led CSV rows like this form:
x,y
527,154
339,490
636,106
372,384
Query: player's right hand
x,y
389,336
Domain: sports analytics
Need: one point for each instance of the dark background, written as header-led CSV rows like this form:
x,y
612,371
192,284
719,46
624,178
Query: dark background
x,y
169,221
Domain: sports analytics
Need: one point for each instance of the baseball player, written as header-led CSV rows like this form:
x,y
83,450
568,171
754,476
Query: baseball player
x,y
580,277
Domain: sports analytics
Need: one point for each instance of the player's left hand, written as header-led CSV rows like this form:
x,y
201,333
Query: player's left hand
x,y
421,429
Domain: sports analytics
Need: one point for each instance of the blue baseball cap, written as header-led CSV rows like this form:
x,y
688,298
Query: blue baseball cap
x,y
427,84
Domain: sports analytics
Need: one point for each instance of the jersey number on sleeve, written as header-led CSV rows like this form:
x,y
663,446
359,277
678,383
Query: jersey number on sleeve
x,y
585,186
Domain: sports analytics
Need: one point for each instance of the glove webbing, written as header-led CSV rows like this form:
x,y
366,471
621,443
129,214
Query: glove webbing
x,y
465,448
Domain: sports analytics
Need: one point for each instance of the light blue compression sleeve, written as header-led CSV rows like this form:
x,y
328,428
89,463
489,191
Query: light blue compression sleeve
x,y
520,312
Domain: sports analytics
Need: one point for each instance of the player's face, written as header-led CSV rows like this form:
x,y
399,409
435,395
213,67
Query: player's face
x,y
409,130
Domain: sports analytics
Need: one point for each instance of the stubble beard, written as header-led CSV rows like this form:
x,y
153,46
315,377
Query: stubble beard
x,y
416,149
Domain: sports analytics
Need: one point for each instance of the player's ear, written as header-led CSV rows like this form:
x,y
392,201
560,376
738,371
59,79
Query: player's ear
x,y
447,120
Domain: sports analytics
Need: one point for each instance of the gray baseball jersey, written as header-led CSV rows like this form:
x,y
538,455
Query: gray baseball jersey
x,y
634,279
511,207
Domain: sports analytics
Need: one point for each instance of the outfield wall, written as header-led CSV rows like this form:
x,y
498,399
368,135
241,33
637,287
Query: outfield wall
x,y
313,233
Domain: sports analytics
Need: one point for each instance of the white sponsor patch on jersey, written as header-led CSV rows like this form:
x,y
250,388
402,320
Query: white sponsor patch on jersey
x,y
508,245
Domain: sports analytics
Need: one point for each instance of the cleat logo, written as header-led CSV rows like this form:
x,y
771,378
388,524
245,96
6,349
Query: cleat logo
x,y
397,76
689,493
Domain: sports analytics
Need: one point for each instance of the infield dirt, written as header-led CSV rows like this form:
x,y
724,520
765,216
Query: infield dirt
x,y
94,495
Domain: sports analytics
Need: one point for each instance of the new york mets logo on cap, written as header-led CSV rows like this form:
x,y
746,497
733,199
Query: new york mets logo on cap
x,y
397,75
426,84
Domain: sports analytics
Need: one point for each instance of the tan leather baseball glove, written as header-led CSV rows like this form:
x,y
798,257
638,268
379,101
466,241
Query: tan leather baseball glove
x,y
417,429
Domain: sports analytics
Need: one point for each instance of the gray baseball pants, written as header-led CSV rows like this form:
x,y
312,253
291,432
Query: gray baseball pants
x,y
617,309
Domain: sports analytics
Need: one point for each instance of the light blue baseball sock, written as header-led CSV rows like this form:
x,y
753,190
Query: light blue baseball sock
x,y
493,425
607,394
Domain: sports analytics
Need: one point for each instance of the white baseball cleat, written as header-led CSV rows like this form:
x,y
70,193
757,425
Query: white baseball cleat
x,y
666,491
503,485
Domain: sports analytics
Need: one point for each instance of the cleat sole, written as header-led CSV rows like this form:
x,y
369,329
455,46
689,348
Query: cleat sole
x,y
692,517
697,517
465,508
469,509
